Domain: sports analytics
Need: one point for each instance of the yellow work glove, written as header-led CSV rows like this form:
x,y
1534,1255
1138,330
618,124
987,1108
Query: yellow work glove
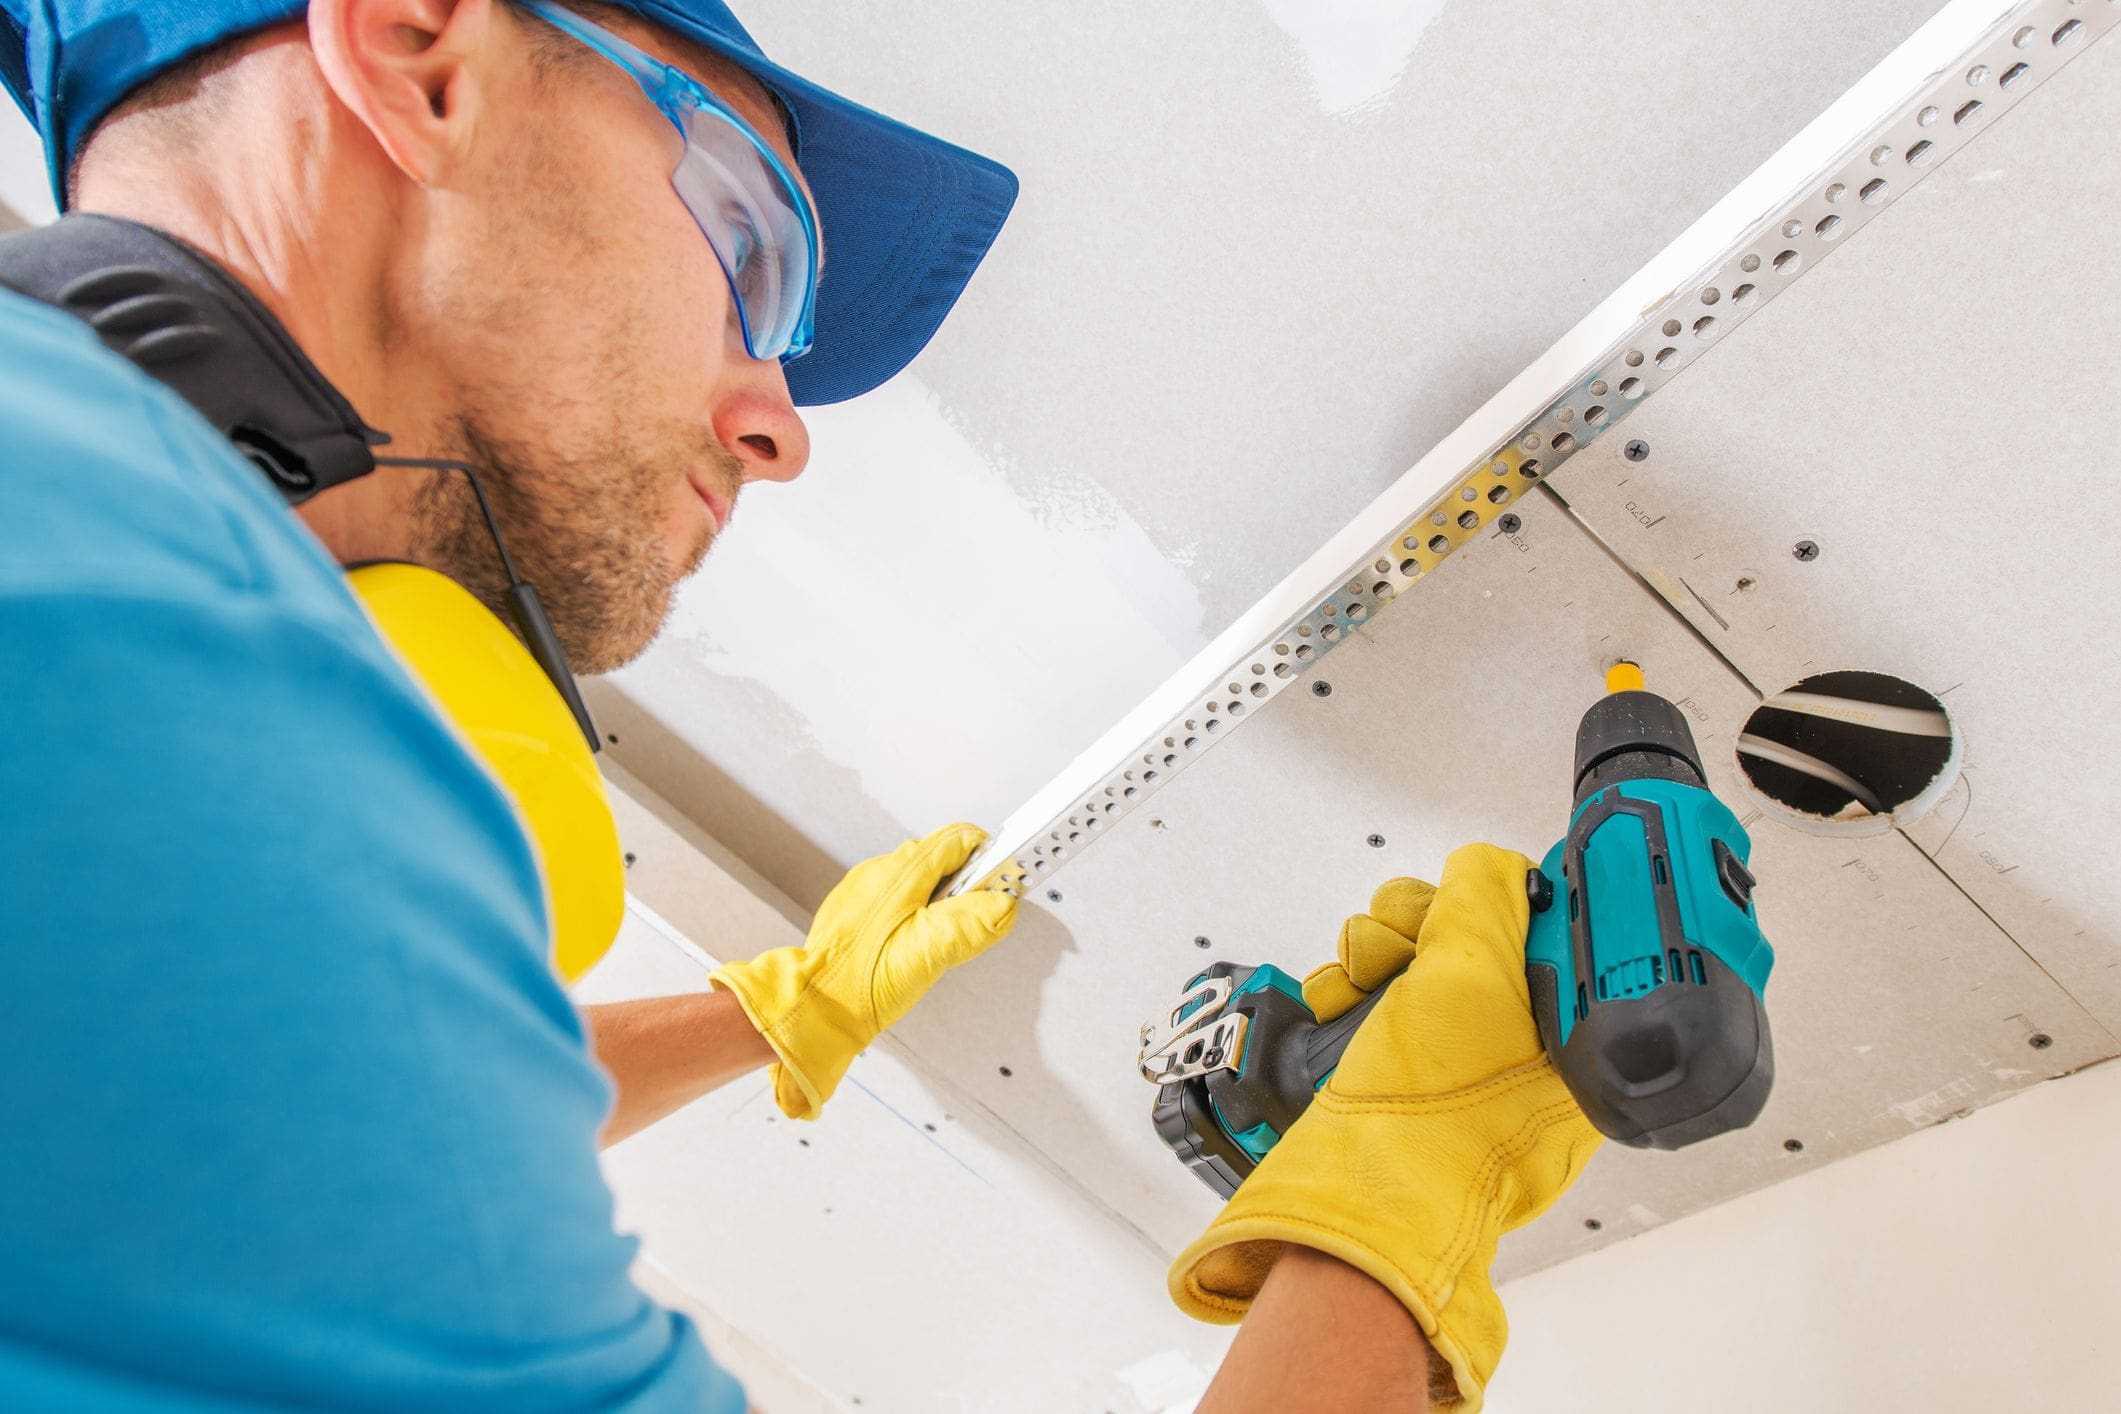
x,y
1443,1128
876,946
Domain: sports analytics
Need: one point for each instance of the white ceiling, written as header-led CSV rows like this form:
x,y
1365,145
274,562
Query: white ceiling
x,y
1266,255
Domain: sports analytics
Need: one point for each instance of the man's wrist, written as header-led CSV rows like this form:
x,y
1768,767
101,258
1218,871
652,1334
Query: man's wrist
x,y
1324,1335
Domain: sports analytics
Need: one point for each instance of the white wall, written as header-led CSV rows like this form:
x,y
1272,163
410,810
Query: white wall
x,y
1968,1267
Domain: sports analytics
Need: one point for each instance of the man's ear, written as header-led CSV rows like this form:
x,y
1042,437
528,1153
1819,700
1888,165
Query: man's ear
x,y
409,71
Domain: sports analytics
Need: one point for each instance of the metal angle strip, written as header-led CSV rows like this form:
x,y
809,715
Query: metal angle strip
x,y
1973,61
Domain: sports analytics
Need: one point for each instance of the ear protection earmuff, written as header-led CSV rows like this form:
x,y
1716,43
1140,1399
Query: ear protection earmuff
x,y
490,688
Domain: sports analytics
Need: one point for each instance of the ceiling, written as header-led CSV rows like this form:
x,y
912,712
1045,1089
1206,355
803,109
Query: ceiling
x,y
1266,256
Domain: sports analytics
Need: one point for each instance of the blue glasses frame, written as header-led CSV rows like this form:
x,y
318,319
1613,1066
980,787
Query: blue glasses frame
x,y
678,95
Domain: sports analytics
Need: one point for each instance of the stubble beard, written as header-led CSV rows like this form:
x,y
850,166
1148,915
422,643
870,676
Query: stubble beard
x,y
586,533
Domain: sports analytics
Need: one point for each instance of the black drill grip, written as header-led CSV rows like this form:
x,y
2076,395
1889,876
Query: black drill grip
x,y
1326,1041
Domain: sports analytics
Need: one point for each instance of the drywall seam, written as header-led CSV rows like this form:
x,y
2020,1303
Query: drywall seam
x,y
1820,188
655,873
1660,594
2090,1015
1648,580
1661,587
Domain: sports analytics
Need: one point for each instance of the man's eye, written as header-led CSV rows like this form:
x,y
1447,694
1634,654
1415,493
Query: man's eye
x,y
742,246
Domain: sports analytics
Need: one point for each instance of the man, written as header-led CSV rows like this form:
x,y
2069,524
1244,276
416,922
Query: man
x,y
299,1112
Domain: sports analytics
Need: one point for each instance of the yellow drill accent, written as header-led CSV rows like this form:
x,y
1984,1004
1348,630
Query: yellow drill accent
x,y
1624,676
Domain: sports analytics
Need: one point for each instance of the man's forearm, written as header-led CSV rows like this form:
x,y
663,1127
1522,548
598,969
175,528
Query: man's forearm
x,y
1322,1336
665,1052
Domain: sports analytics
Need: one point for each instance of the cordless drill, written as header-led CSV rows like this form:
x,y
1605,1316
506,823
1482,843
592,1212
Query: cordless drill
x,y
1645,963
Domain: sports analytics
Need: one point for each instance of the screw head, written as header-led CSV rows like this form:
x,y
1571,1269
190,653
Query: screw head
x,y
1053,895
1795,1146
1806,550
1636,450
629,859
1509,524
1321,689
1377,841
1201,941
2039,1040
1592,1224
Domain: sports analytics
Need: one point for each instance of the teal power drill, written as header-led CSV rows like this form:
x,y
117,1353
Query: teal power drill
x,y
1645,963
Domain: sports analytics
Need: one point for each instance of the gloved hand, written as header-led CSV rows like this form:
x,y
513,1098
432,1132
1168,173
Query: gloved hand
x,y
1443,1128
876,946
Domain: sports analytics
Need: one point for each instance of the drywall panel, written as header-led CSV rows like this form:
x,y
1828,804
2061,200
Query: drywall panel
x,y
1965,1269
904,1252
1895,1003
1930,407
1266,255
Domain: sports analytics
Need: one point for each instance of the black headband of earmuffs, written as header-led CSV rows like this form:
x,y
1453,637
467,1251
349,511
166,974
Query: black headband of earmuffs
x,y
186,323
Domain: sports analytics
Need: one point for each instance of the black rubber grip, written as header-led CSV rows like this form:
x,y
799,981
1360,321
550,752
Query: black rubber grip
x,y
1326,1041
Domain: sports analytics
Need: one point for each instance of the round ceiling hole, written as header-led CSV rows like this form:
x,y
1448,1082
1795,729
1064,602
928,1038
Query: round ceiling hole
x,y
1850,752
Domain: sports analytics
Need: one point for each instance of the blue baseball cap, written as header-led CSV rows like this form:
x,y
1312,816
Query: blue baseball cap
x,y
907,216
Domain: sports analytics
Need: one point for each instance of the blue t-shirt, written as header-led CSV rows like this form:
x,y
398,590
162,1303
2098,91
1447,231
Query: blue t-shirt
x,y
292,1108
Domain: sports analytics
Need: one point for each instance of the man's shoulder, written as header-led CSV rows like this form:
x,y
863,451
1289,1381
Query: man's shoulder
x,y
111,485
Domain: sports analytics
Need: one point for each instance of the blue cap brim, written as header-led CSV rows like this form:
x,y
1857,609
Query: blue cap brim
x,y
907,218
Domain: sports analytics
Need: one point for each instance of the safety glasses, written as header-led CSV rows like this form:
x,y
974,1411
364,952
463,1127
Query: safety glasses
x,y
744,199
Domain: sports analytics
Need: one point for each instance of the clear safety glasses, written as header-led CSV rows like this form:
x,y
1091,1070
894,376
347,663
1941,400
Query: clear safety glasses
x,y
743,197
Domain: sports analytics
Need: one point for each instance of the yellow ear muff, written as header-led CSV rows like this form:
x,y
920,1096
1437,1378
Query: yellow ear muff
x,y
489,686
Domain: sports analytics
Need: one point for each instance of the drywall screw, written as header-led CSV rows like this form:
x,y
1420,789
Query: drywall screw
x,y
1053,895
1201,941
1321,689
1795,1146
1806,550
2039,1040
1377,841
1593,1224
629,860
1636,451
1509,524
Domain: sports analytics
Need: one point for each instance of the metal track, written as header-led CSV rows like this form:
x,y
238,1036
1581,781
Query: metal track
x,y
1952,80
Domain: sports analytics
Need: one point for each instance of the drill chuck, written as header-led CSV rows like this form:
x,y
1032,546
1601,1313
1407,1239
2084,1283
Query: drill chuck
x,y
1632,736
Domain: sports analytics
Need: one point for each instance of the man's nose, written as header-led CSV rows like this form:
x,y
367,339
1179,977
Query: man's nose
x,y
757,422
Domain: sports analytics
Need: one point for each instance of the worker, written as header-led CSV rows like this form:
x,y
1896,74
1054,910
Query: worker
x,y
299,1113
